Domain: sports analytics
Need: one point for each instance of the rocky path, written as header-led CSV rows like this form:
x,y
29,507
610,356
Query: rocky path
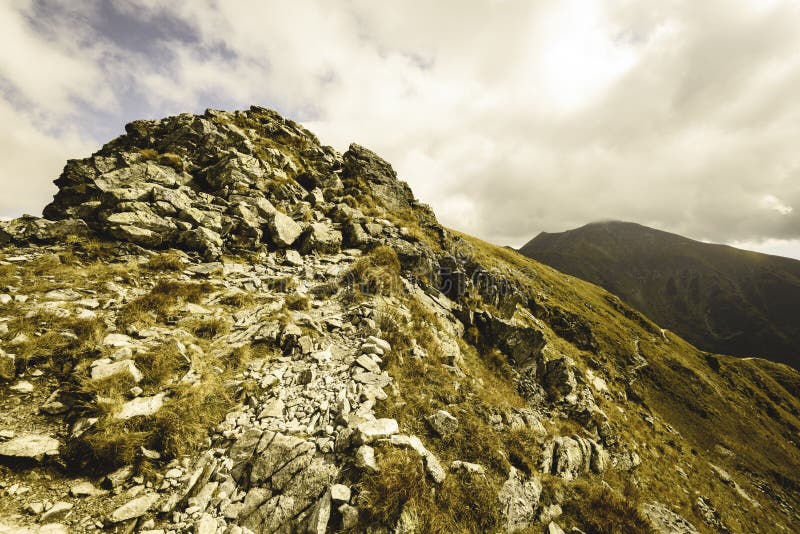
x,y
272,463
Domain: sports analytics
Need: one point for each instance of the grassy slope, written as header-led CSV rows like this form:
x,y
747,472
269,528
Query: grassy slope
x,y
720,298
710,400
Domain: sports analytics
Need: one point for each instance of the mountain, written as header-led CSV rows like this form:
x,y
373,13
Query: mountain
x,y
223,325
719,298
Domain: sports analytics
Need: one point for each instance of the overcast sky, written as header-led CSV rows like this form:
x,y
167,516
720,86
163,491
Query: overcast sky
x,y
508,117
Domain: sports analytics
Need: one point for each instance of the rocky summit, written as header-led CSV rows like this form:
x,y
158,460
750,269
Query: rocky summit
x,y
223,326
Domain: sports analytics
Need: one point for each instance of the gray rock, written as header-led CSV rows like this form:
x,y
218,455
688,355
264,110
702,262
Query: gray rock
x,y
141,407
559,378
50,528
570,457
458,465
279,458
206,525
59,510
665,521
340,493
282,229
519,500
370,431
8,367
273,408
118,369
85,489
554,528
32,447
133,509
368,363
28,229
294,258
318,522
443,423
365,458
322,238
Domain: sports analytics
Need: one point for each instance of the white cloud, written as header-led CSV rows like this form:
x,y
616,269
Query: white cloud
x,y
508,117
30,160
771,202
50,70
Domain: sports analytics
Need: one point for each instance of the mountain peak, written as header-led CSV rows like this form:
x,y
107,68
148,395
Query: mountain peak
x,y
225,181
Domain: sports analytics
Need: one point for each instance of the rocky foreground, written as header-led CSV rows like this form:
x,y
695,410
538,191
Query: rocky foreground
x,y
223,326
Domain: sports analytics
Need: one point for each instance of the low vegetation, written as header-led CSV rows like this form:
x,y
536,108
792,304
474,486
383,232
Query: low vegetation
x,y
602,510
161,302
376,273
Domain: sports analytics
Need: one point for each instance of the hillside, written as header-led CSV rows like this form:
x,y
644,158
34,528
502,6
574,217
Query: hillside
x,y
719,298
223,326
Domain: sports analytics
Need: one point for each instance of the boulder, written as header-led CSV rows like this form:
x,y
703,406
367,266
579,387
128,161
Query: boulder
x,y
665,521
340,493
8,367
119,369
59,510
134,509
443,423
30,447
365,458
370,431
282,230
558,378
571,457
29,229
320,515
519,500
141,407
321,238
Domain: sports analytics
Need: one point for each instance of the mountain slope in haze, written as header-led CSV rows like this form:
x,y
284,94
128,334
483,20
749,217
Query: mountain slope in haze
x,y
719,298
224,326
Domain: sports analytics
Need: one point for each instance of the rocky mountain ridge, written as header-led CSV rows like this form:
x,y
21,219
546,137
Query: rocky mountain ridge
x,y
222,326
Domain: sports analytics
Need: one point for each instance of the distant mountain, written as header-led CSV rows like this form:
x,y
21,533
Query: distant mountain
x,y
719,298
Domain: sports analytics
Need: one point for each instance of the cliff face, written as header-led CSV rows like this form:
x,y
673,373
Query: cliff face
x,y
224,326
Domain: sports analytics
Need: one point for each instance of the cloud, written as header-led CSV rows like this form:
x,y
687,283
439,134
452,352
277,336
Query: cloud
x,y
510,118
30,160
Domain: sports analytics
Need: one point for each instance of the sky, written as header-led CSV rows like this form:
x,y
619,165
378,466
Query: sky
x,y
508,117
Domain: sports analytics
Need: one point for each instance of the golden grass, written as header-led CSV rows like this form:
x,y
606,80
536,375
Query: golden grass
x,y
165,262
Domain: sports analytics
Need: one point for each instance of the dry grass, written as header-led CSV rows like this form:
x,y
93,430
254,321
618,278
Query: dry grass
x,y
602,510
8,275
179,428
464,503
377,273
208,327
165,262
298,302
238,299
148,153
49,339
171,160
160,302
161,363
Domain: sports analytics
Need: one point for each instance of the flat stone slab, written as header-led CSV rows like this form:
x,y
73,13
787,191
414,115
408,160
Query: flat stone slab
x,y
141,406
30,447
133,509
